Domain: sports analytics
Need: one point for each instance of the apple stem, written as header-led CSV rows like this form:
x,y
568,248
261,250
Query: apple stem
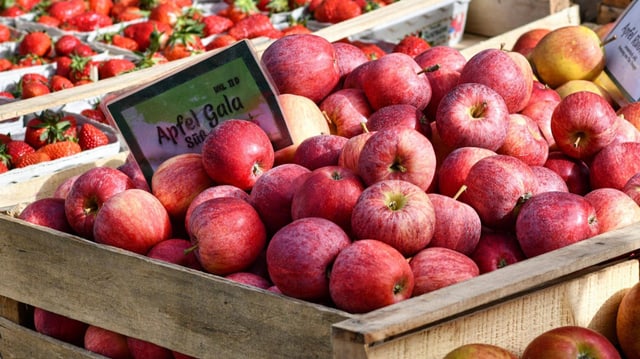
x,y
577,141
431,68
190,249
363,124
462,189
608,40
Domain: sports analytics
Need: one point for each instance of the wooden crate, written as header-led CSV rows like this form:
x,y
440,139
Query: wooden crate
x,y
495,17
207,316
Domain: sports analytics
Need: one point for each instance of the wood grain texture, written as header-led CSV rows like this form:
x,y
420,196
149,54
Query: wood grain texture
x,y
193,312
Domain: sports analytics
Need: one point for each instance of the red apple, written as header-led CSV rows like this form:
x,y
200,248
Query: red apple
x,y
570,342
455,167
626,131
348,56
472,115
506,72
48,212
549,180
177,181
628,322
237,152
227,233
496,250
88,193
458,225
350,154
397,153
582,124
143,349
542,92
319,151
552,220
525,141
354,79
442,81
273,192
632,188
540,112
394,79
574,172
304,119
300,254
249,278
134,220
398,115
302,64
631,113
107,343
132,169
395,212
497,186
176,251
368,275
346,109
64,187
479,351
436,267
328,192
614,208
614,165
445,57
59,326
528,40
221,190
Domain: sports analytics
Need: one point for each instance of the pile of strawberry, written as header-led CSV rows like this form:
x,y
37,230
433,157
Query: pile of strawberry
x,y
49,136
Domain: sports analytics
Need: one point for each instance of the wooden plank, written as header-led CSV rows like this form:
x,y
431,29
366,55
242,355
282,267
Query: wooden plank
x,y
419,312
185,310
589,301
495,17
14,311
569,16
18,342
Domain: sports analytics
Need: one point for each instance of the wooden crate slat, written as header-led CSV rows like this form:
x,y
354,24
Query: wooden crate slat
x,y
186,310
415,313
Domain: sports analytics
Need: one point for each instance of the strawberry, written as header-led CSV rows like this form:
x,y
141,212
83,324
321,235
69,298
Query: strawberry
x,y
123,13
33,89
65,10
102,7
5,33
167,12
7,94
12,11
31,159
95,114
81,69
89,21
36,43
30,60
34,77
16,149
296,29
65,44
220,41
48,20
146,32
371,50
252,26
183,46
49,127
3,167
335,11
5,64
273,6
5,159
411,45
114,67
60,83
215,24
60,149
124,42
91,137
5,138
63,66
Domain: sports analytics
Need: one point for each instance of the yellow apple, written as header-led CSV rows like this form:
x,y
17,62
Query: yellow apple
x,y
572,52
572,86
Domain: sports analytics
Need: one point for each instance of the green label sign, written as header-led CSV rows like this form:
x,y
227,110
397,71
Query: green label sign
x,y
174,114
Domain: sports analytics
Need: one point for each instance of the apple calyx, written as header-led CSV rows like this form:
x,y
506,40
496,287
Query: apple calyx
x,y
396,166
395,201
502,263
91,206
336,176
477,111
397,288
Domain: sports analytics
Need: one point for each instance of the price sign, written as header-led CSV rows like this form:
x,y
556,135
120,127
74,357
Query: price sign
x,y
622,50
174,114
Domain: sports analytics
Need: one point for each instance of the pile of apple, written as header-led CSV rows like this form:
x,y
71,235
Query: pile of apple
x,y
406,174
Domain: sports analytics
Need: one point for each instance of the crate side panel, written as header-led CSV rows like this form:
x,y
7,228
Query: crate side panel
x,y
590,300
189,311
